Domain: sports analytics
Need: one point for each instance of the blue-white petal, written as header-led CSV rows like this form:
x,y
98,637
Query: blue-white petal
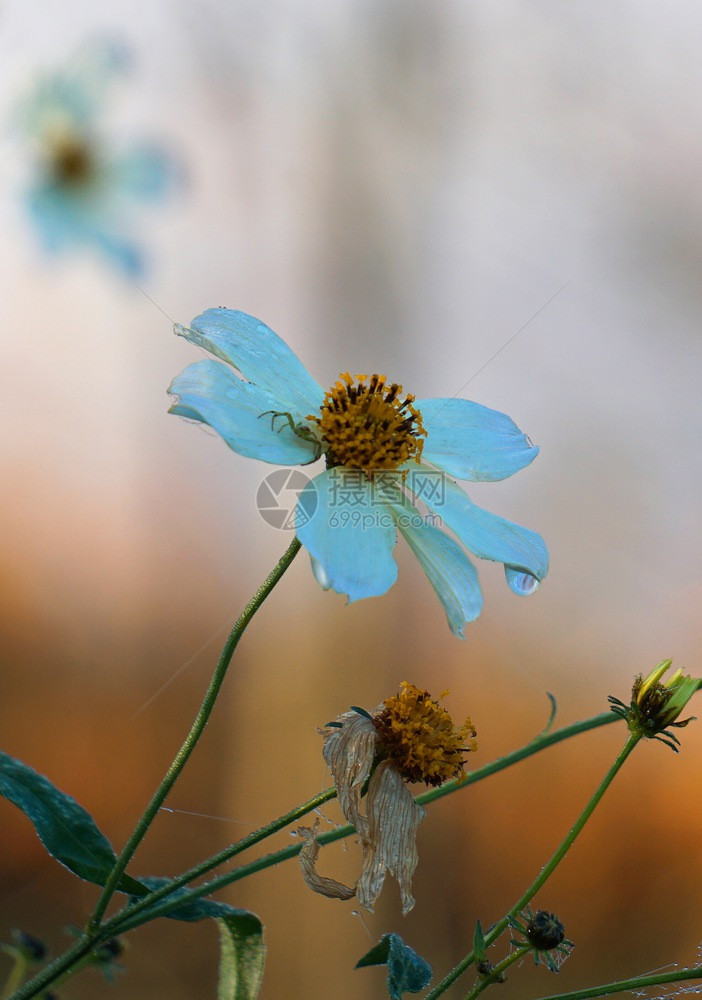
x,y
489,536
350,543
450,571
76,93
144,173
471,441
212,393
65,221
259,354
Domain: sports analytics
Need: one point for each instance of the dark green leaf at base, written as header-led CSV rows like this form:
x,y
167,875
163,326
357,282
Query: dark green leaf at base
x,y
65,829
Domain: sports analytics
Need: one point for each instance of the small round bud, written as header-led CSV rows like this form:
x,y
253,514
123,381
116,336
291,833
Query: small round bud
x,y
545,931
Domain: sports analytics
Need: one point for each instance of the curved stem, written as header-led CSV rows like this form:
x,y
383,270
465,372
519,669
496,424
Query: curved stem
x,y
59,967
142,913
545,872
638,983
495,974
123,921
147,902
190,741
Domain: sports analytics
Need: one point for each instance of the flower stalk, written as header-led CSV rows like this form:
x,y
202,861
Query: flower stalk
x,y
545,872
496,973
143,912
147,903
196,730
629,985
158,903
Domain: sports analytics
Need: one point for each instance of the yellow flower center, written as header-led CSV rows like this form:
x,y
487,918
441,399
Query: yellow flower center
x,y
420,737
369,427
71,162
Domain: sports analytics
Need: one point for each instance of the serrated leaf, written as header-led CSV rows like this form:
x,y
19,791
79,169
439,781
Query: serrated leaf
x,y
407,971
65,828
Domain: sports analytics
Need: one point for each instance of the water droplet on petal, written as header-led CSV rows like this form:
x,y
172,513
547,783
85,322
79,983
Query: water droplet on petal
x,y
521,582
321,575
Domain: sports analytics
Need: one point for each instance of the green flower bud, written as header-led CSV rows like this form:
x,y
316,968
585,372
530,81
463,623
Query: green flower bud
x,y
656,705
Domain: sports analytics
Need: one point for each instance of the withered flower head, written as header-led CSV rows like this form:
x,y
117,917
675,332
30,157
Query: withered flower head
x,y
406,739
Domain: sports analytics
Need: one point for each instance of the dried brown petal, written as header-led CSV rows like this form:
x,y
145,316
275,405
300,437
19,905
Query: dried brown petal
x,y
308,863
393,818
349,752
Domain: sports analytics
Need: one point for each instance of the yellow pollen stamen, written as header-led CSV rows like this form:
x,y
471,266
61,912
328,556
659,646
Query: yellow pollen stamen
x,y
421,739
369,427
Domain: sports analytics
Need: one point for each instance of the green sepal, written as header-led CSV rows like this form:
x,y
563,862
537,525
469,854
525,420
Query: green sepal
x,y
479,949
668,743
66,829
361,711
551,963
407,971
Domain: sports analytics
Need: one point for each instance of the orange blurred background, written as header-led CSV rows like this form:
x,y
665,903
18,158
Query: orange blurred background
x,y
498,201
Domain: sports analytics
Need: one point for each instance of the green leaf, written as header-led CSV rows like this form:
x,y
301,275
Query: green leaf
x,y
241,938
65,829
479,943
552,716
242,953
378,955
199,909
407,971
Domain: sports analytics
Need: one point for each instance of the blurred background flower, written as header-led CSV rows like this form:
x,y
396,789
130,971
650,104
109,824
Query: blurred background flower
x,y
82,191
498,200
